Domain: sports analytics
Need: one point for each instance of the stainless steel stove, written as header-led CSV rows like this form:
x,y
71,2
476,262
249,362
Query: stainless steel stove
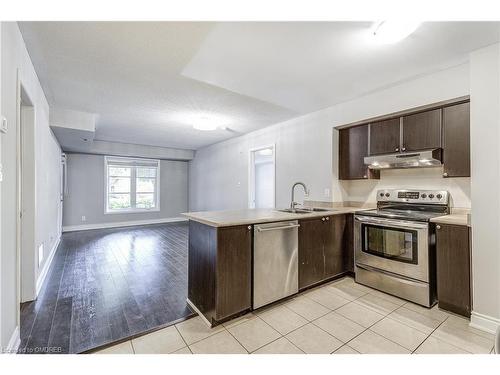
x,y
395,243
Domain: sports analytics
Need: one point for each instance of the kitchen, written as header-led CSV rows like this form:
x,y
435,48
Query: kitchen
x,y
268,203
391,248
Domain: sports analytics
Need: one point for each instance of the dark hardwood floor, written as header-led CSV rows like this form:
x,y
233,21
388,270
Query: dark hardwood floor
x,y
108,284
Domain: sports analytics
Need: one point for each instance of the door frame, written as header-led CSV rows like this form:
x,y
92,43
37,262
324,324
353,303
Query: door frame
x,y
25,202
251,174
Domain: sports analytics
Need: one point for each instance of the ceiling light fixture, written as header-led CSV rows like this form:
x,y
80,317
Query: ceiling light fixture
x,y
205,123
387,32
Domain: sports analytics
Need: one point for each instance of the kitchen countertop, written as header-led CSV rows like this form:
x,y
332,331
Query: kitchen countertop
x,y
453,219
260,215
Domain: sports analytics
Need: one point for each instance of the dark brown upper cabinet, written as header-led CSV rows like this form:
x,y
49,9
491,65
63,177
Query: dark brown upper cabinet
x,y
456,140
385,137
453,268
422,131
353,147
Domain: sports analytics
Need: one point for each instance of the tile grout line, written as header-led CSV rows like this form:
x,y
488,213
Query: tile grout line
x,y
455,346
434,330
249,352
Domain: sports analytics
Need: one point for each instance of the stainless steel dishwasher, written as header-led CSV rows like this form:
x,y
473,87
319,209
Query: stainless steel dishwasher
x,y
275,262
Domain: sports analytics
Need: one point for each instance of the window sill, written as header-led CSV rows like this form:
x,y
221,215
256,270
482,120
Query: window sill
x,y
139,211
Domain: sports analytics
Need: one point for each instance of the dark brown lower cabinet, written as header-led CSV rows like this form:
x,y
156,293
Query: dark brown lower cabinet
x,y
321,249
453,268
311,258
349,243
219,270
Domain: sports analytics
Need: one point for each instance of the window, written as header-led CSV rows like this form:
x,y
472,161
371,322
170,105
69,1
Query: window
x,y
132,185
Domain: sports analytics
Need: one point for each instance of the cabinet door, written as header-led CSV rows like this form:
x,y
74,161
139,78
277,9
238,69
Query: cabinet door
x,y
384,137
456,141
353,147
334,245
311,252
422,131
234,268
348,243
453,268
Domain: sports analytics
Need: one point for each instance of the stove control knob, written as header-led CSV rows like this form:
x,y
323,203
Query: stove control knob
x,y
439,196
424,195
387,195
431,196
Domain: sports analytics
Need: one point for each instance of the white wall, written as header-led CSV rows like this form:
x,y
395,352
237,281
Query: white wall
x,y
15,58
485,181
307,151
86,187
422,178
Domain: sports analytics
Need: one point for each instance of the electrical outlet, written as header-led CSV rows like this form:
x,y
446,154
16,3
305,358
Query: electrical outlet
x,y
84,218
327,193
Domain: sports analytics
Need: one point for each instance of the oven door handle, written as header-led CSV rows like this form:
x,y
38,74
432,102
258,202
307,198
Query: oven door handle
x,y
391,222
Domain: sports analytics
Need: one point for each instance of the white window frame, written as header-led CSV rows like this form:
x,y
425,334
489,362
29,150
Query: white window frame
x,y
133,192
251,174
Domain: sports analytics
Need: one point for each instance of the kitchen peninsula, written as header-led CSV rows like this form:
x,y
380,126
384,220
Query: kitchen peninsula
x,y
220,254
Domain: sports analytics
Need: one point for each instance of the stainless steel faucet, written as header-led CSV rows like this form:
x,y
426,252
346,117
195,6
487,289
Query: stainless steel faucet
x,y
293,203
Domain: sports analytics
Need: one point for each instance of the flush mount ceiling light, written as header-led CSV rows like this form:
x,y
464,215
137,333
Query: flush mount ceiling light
x,y
201,120
388,32
205,123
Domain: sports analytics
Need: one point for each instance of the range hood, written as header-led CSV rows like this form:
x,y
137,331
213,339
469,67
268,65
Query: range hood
x,y
417,159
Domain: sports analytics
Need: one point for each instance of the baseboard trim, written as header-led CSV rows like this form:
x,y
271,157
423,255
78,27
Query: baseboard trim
x,y
484,322
74,228
14,342
46,267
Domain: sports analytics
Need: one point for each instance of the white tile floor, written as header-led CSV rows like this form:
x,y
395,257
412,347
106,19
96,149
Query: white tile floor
x,y
341,317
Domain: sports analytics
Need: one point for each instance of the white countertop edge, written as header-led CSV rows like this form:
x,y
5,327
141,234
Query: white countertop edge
x,y
212,218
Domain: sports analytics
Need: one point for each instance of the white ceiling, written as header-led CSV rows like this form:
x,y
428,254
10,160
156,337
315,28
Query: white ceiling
x,y
147,81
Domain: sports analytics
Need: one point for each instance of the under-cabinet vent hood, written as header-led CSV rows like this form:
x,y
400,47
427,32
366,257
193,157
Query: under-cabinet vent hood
x,y
417,159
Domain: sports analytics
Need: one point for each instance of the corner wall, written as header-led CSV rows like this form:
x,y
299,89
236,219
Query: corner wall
x,y
15,59
485,181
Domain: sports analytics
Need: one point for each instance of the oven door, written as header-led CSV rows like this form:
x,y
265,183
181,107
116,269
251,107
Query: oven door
x,y
397,246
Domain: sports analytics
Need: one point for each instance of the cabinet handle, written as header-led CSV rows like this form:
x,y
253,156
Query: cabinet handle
x,y
438,226
327,218
445,174
323,219
365,176
249,227
397,149
404,149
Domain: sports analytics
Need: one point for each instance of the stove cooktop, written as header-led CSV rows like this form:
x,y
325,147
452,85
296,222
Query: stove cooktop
x,y
413,215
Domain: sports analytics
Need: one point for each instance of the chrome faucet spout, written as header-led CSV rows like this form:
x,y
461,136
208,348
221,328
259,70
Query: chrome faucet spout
x,y
293,203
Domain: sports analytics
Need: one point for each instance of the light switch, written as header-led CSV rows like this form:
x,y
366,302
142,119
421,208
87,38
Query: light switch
x,y
327,193
3,125
84,218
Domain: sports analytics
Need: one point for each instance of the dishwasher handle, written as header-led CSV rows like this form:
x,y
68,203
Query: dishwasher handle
x,y
259,229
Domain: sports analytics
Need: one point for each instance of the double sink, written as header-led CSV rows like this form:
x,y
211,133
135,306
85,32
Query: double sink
x,y
305,210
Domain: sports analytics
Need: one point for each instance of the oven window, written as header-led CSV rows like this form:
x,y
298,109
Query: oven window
x,y
393,243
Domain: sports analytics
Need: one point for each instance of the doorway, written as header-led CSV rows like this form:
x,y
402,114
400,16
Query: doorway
x,y
262,173
27,255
